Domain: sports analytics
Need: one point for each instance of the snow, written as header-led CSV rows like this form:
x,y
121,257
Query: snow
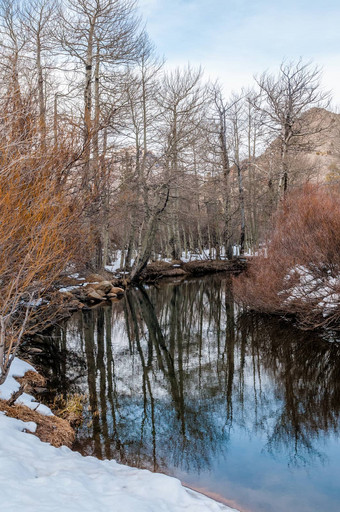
x,y
262,251
10,386
116,263
70,288
76,276
311,287
186,256
114,267
36,477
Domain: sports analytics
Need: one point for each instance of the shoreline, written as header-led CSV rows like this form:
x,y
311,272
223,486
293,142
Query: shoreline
x,y
216,497
40,477
78,292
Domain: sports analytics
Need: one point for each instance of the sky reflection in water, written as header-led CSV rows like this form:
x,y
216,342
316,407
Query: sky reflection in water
x,y
179,380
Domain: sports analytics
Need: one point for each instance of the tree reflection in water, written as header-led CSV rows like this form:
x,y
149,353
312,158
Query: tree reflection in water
x,y
171,373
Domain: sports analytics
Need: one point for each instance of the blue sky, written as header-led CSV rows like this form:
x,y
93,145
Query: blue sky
x,y
235,39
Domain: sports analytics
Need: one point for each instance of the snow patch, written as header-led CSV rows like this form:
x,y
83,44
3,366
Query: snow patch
x,y
10,386
311,286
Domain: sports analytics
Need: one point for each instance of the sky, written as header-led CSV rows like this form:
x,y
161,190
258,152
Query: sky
x,y
233,40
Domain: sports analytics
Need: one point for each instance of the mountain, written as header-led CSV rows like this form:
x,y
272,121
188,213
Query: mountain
x,y
314,155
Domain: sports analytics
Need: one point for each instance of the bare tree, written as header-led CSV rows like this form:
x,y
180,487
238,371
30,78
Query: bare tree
x,y
98,36
142,89
283,99
13,44
237,119
182,100
39,21
220,111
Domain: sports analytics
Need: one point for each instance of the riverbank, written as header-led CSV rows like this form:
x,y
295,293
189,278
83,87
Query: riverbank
x,y
80,291
37,477
136,413
159,270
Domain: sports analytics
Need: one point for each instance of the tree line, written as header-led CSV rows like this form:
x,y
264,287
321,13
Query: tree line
x,y
161,161
104,148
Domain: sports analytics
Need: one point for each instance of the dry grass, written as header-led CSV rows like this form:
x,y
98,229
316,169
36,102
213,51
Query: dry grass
x,y
50,429
32,379
70,408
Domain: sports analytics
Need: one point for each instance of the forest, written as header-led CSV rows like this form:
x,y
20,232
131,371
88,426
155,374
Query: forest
x,y
169,256
107,153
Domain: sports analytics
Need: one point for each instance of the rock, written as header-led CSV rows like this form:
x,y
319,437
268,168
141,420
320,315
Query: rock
x,y
40,390
67,295
95,278
95,295
75,305
81,295
117,290
34,350
104,286
70,281
115,299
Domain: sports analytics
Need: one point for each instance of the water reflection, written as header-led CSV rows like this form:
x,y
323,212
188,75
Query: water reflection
x,y
174,375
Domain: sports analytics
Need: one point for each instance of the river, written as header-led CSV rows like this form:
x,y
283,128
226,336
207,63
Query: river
x,y
178,379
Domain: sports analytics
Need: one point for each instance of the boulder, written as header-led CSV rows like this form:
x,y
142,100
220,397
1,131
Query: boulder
x,y
117,290
75,305
115,299
95,278
95,295
103,286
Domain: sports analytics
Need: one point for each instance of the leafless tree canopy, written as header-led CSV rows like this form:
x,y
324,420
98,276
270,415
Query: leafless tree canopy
x,y
152,163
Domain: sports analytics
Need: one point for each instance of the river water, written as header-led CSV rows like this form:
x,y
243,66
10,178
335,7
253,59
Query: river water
x,y
180,380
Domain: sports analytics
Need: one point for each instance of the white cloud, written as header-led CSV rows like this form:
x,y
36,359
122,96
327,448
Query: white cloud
x,y
234,40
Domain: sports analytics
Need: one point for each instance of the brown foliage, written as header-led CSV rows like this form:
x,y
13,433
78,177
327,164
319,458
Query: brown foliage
x,y
301,273
38,227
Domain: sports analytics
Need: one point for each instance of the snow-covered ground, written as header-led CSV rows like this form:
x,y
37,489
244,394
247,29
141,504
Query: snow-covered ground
x,y
36,477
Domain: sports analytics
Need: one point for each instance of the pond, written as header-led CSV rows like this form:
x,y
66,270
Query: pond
x,y
180,380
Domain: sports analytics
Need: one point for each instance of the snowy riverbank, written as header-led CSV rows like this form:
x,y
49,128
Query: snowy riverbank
x,y
36,477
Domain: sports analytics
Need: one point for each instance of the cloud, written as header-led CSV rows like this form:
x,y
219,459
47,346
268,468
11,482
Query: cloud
x,y
234,39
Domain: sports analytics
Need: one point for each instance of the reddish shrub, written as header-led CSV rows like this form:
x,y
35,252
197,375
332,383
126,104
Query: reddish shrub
x,y
301,273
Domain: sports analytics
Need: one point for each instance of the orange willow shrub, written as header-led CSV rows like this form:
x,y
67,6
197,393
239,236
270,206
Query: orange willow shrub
x,y
39,224
301,273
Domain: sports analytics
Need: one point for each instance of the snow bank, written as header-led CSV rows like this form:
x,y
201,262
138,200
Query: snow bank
x,y
18,369
36,477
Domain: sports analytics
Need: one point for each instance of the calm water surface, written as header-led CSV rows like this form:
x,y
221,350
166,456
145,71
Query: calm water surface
x,y
179,380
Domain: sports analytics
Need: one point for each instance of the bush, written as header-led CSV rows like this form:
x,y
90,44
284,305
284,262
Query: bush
x,y
38,228
301,273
